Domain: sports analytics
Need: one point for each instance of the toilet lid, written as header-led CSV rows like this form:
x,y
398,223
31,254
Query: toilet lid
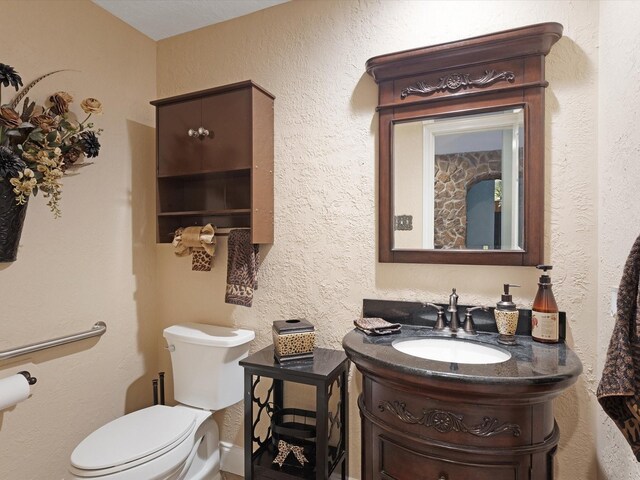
x,y
133,436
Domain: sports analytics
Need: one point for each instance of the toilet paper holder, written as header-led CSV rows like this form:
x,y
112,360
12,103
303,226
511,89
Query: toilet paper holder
x,y
31,380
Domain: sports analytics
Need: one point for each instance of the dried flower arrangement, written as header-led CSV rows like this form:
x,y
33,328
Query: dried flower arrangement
x,y
43,143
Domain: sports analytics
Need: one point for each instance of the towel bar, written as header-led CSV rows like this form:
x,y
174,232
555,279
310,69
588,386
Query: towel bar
x,y
218,232
97,330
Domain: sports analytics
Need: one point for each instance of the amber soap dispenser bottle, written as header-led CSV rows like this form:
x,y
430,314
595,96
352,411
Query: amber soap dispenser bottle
x,y
544,314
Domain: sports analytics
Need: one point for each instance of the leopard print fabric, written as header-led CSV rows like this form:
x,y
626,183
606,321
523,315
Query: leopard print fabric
x,y
294,343
619,388
376,326
284,449
199,242
242,268
201,261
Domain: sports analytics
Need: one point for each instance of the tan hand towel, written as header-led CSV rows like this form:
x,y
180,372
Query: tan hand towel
x,y
242,268
200,242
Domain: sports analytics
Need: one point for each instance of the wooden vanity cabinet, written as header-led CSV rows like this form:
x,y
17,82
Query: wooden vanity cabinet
x,y
215,160
399,461
458,432
426,419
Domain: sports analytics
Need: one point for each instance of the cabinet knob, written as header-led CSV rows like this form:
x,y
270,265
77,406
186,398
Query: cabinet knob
x,y
199,133
443,476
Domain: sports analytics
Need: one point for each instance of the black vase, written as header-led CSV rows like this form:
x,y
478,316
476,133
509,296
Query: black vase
x,y
11,222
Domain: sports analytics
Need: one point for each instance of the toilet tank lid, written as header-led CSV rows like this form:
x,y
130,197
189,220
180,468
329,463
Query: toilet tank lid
x,y
212,335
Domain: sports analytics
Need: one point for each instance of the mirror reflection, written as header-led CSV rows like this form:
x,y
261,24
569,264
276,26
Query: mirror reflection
x,y
458,182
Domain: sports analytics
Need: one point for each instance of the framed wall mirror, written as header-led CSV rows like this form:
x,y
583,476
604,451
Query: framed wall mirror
x,y
458,182
461,135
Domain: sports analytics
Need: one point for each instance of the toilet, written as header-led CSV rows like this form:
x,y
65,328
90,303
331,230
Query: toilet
x,y
180,442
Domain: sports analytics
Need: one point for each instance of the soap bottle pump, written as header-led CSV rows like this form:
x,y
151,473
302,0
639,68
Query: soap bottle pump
x,y
506,315
544,314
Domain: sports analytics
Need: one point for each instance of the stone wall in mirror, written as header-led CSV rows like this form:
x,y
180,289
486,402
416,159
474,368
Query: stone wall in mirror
x,y
461,137
457,182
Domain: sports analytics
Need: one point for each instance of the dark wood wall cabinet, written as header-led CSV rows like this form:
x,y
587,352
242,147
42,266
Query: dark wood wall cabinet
x,y
215,160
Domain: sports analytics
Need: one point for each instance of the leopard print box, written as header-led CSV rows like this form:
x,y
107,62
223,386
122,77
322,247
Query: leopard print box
x,y
293,339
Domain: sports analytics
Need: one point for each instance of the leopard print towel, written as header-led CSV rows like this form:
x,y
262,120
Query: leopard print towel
x,y
242,268
200,242
619,388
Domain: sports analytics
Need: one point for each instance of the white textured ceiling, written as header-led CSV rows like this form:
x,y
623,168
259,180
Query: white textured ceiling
x,y
160,19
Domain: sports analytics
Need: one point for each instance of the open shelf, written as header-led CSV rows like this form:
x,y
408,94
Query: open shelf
x,y
168,224
207,213
213,173
222,199
204,193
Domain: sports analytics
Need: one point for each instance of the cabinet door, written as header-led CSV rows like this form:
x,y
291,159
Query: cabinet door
x,y
227,116
178,153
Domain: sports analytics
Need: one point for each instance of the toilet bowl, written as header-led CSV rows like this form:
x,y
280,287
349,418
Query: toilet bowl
x,y
180,442
158,442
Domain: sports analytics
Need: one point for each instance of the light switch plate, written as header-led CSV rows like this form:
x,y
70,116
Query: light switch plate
x,y
403,222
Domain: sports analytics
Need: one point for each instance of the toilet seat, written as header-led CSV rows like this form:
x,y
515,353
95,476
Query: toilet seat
x,y
136,439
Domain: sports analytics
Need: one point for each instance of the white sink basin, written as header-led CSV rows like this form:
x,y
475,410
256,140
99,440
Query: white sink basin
x,y
452,350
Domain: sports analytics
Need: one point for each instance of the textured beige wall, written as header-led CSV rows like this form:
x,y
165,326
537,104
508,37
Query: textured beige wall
x,y
311,55
618,194
95,263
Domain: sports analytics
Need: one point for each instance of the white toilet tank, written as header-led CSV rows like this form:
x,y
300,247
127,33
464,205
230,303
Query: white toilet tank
x,y
206,373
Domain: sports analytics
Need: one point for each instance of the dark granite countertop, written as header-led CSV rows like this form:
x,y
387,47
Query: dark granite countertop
x,y
531,363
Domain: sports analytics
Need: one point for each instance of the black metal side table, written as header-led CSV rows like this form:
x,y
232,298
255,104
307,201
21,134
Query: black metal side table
x,y
327,372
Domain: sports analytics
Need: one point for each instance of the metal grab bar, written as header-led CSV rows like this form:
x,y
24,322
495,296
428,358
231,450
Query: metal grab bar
x,y
97,330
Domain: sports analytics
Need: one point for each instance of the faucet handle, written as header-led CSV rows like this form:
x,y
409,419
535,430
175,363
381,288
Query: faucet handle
x,y
429,304
441,321
468,326
478,307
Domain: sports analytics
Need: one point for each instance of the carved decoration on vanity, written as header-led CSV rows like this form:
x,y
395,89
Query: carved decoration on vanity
x,y
445,422
455,81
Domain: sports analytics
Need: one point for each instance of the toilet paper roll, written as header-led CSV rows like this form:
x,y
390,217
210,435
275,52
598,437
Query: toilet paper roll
x,y
13,390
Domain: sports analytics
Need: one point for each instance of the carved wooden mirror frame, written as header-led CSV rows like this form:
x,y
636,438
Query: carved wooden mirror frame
x,y
481,74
